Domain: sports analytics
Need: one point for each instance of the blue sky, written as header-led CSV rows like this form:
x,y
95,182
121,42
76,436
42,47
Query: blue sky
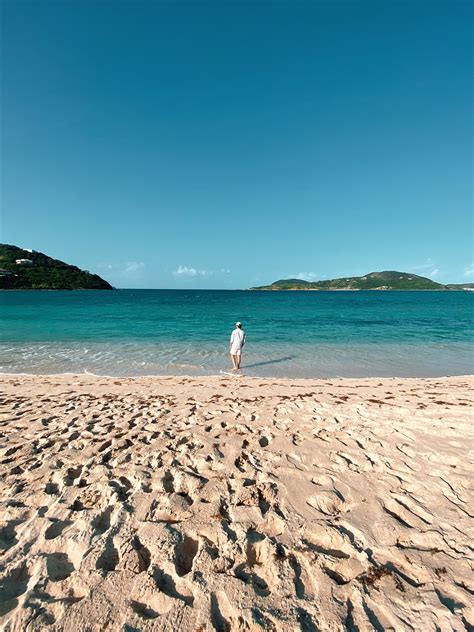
x,y
229,144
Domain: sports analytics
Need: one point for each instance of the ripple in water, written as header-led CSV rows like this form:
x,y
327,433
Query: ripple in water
x,y
277,360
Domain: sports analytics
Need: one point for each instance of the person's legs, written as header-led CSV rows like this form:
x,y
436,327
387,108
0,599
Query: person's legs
x,y
234,361
239,355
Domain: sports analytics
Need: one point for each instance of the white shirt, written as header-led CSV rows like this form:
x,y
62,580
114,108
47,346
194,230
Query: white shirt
x,y
237,338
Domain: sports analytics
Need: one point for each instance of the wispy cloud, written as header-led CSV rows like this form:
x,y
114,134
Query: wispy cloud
x,y
469,271
304,276
189,272
133,267
129,269
428,268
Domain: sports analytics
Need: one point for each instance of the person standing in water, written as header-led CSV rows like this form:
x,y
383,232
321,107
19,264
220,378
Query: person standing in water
x,y
237,341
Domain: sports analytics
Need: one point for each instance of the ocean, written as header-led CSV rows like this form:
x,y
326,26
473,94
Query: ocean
x,y
186,332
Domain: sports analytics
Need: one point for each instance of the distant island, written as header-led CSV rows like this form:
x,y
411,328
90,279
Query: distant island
x,y
22,269
387,280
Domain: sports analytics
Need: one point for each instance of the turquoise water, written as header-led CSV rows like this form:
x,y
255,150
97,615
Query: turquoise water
x,y
289,334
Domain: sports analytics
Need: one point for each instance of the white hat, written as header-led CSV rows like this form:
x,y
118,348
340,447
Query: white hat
x,y
238,323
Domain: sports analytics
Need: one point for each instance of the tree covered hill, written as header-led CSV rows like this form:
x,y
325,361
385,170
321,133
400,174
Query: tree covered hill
x,y
30,270
387,280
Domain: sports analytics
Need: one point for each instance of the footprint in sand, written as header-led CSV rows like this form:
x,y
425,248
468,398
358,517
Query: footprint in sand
x,y
328,503
109,558
14,584
59,566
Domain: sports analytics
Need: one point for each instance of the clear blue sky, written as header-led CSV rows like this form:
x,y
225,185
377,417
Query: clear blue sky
x,y
228,144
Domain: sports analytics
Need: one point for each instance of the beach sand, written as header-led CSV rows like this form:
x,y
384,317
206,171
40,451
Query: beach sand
x,y
231,503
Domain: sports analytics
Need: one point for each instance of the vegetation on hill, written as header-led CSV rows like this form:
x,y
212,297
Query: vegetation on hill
x,y
40,272
461,286
387,280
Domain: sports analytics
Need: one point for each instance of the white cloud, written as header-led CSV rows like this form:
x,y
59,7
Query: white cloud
x,y
189,272
132,267
469,271
426,269
304,276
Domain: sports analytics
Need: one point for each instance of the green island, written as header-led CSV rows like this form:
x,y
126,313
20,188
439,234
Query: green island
x,y
22,269
387,280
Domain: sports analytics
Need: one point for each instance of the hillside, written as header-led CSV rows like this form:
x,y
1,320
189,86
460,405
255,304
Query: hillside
x,y
40,272
387,280
461,286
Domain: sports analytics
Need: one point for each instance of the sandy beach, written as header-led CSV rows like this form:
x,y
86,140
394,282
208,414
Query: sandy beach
x,y
231,503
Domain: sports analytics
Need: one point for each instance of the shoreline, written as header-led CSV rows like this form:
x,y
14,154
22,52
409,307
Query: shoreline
x,y
229,374
204,503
